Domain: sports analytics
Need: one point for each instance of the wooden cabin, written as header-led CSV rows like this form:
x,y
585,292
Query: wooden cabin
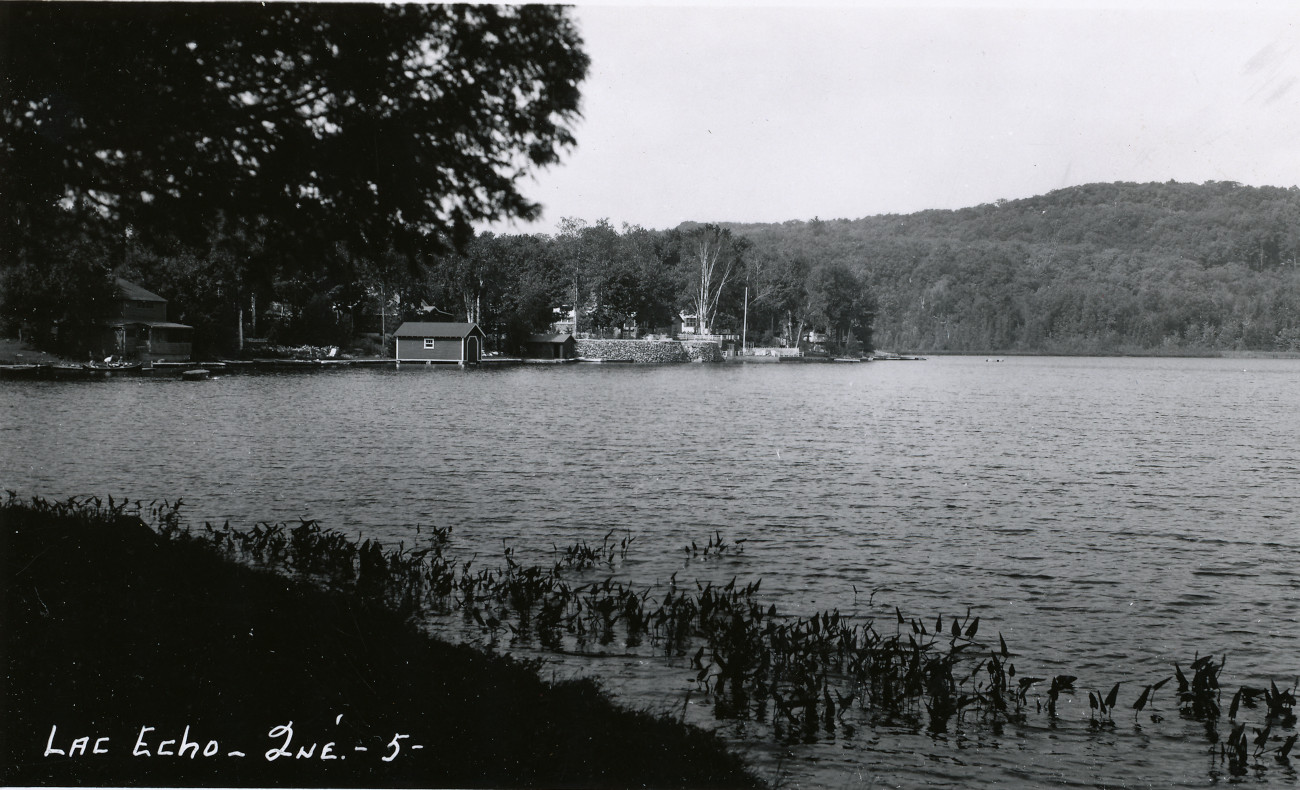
x,y
558,346
141,330
436,341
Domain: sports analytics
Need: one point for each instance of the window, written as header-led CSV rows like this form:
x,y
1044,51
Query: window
x,y
428,342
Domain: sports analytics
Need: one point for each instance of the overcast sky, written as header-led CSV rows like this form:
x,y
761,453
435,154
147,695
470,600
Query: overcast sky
x,y
724,113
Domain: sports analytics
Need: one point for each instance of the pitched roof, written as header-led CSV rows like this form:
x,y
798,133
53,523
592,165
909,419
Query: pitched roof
x,y
434,329
152,324
560,338
135,293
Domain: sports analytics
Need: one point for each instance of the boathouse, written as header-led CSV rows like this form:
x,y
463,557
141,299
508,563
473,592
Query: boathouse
x,y
430,341
141,330
560,346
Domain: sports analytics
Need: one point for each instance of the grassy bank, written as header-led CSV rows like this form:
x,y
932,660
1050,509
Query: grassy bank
x,y
18,352
110,629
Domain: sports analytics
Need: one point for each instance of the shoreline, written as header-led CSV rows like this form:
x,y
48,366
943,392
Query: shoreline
x,y
1226,354
42,366
137,658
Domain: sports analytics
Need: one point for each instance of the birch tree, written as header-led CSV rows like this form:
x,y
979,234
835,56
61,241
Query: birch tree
x,y
711,256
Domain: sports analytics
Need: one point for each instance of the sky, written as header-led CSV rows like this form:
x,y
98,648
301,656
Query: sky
x,y
720,113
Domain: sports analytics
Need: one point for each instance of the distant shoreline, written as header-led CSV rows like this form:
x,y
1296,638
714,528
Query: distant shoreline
x,y
1126,354
16,360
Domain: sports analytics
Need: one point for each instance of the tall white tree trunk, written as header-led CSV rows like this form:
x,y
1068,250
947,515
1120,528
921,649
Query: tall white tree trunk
x,y
716,265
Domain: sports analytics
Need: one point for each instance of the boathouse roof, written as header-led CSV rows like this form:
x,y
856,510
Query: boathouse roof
x,y
435,329
150,324
563,337
135,293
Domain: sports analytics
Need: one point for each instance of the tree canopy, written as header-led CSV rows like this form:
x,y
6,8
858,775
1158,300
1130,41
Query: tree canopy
x,y
375,125
1097,268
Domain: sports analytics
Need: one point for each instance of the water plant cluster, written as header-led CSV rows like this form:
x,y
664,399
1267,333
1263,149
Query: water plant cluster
x,y
803,675
112,630
715,547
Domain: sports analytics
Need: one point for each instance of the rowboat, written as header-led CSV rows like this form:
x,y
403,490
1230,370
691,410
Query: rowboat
x,y
110,368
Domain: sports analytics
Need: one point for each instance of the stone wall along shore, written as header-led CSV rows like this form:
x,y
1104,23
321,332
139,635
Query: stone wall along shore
x,y
703,350
649,351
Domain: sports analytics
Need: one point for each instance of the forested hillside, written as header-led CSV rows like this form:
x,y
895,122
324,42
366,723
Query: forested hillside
x,y
1099,268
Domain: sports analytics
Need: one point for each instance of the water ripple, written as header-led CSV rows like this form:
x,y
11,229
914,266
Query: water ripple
x,y
1107,516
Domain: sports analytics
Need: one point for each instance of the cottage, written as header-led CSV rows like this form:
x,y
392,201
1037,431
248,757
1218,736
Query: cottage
x,y
141,329
427,341
564,321
686,326
559,346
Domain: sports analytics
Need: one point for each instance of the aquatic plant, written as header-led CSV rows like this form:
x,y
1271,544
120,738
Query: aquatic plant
x,y
90,584
801,675
1100,707
580,556
715,547
1148,697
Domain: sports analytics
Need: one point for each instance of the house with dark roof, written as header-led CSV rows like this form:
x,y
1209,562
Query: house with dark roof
x,y
141,329
558,346
438,341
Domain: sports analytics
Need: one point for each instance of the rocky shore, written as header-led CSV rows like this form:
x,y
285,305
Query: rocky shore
x,y
649,351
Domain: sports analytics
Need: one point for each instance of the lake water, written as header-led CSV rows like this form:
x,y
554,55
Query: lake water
x,y
1107,516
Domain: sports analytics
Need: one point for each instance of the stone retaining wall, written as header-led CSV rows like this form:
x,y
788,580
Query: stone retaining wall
x,y
649,351
703,350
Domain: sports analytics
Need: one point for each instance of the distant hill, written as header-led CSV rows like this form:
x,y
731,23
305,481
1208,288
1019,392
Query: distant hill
x,y
1098,268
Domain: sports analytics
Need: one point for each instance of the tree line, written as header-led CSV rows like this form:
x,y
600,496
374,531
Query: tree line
x,y
635,280
1099,268
1102,268
306,172
309,171
231,150
623,282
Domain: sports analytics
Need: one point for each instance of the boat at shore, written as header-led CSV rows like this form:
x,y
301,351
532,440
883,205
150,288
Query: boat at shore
x,y
43,372
68,372
24,371
113,367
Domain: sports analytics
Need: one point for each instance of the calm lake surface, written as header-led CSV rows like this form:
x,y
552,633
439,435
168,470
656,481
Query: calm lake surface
x,y
1107,516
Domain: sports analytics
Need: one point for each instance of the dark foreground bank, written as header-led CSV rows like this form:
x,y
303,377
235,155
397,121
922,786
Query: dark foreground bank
x,y
130,659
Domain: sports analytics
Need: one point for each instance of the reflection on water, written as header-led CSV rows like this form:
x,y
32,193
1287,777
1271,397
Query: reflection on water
x,y
1107,516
